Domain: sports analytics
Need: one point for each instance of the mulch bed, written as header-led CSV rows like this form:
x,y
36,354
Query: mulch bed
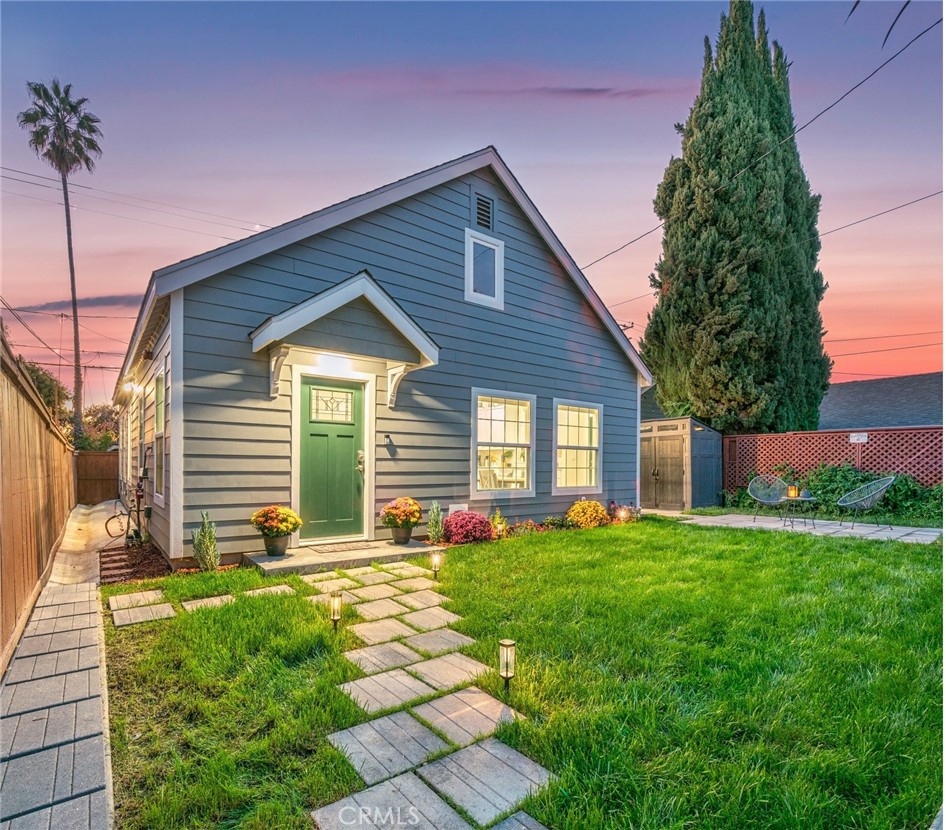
x,y
127,563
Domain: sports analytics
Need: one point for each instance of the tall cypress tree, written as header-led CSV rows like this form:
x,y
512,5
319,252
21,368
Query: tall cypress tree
x,y
735,337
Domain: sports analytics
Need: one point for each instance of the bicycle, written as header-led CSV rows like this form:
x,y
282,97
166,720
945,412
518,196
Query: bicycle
x,y
120,524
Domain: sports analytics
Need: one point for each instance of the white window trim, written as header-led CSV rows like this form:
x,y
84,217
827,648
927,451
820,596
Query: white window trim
x,y
576,491
160,383
160,431
156,494
500,248
480,495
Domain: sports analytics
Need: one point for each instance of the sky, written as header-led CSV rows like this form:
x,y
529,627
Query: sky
x,y
223,118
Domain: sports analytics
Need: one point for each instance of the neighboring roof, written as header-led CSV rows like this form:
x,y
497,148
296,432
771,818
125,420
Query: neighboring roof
x,y
195,269
906,401
650,409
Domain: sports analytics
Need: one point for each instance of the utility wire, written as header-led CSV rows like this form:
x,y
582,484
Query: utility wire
x,y
768,152
85,316
137,198
818,236
84,366
891,349
29,328
119,216
880,336
136,207
81,351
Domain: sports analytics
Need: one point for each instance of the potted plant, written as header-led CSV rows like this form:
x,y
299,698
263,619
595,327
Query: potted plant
x,y
276,523
402,516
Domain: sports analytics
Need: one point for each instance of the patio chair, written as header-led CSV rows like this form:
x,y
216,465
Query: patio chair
x,y
768,491
866,498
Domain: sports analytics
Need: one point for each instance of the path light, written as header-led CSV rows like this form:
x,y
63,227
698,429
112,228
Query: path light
x,y
623,514
436,560
335,608
507,660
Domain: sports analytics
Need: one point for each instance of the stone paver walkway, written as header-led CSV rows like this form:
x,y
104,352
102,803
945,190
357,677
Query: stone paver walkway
x,y
484,777
54,769
820,527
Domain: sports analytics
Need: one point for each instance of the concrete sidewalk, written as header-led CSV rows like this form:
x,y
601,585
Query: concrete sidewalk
x,y
54,767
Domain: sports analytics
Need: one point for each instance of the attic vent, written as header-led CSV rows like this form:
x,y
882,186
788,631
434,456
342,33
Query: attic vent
x,y
484,212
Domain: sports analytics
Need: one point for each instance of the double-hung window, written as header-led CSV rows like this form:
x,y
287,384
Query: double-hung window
x,y
159,422
484,269
577,447
503,443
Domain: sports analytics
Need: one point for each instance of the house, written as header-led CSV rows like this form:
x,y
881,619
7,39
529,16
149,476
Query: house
x,y
430,338
906,401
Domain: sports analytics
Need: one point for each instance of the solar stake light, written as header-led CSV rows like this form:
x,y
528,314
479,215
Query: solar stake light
x,y
623,514
436,560
335,608
507,660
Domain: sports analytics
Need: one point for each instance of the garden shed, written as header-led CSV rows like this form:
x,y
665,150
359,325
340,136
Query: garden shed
x,y
681,464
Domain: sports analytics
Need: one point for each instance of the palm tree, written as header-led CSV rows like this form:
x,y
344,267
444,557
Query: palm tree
x,y
64,134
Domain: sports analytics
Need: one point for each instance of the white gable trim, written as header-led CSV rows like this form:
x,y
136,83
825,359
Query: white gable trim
x,y
361,285
213,262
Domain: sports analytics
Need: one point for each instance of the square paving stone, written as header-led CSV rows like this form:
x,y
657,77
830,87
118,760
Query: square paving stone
x,y
44,644
387,746
486,779
341,584
373,577
47,727
131,600
381,631
439,640
70,623
415,583
520,821
449,671
380,608
272,589
402,569
382,657
348,598
376,592
142,613
467,715
385,691
208,602
405,801
313,579
430,618
422,599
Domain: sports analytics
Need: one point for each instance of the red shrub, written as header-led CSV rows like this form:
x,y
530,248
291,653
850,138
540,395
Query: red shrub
x,y
466,527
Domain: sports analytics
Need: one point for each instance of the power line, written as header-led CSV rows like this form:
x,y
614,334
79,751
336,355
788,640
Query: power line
x,y
135,207
891,349
86,316
119,216
81,351
880,336
807,124
818,236
84,366
29,328
137,198
106,336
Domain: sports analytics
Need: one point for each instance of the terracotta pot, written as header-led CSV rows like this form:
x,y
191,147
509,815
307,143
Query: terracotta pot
x,y
401,535
276,545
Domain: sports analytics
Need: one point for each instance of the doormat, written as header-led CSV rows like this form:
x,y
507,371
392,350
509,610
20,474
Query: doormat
x,y
340,547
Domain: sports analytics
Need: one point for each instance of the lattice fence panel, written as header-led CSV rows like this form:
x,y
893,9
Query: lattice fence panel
x,y
914,451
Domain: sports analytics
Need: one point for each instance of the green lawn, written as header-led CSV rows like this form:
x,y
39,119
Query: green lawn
x,y
673,677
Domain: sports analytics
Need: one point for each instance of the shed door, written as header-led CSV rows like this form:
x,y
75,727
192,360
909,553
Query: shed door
x,y
648,462
332,476
669,472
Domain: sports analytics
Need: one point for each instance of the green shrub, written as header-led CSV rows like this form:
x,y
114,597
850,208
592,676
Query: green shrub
x,y
205,544
558,523
435,523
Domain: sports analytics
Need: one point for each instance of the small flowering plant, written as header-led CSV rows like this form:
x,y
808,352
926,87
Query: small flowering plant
x,y
402,512
276,520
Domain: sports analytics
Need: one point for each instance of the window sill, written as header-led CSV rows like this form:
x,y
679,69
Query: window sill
x,y
484,495
576,491
158,500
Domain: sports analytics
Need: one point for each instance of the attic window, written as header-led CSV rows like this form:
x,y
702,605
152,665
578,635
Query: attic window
x,y
484,212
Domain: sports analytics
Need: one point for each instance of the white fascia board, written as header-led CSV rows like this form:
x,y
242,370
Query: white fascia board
x,y
144,316
360,285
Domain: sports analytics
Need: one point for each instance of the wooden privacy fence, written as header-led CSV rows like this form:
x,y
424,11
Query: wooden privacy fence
x,y
37,492
915,451
96,477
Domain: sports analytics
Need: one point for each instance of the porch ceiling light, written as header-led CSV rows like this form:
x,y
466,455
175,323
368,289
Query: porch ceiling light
x,y
507,660
436,560
335,608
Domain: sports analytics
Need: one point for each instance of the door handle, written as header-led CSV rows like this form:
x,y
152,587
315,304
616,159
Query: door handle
x,y
360,466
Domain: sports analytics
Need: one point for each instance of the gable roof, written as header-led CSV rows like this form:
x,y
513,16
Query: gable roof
x,y
192,270
907,401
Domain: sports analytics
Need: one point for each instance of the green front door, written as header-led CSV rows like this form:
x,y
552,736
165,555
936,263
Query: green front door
x,y
332,474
